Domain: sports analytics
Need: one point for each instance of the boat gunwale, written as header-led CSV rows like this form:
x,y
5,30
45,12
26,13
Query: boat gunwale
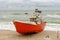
x,y
28,23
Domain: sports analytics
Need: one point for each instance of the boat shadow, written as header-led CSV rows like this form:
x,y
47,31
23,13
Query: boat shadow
x,y
28,34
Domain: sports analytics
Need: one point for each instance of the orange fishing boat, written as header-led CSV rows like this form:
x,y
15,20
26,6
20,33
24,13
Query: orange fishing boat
x,y
25,28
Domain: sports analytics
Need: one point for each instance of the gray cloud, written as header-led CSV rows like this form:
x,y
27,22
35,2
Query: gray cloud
x,y
27,4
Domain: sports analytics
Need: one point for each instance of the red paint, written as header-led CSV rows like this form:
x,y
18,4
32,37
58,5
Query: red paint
x,y
24,28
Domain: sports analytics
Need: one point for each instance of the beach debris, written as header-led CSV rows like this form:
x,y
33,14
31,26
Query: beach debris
x,y
47,36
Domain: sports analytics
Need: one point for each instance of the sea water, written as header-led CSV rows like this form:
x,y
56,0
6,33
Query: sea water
x,y
10,26
52,17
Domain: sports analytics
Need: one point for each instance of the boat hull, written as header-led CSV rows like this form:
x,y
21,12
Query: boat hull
x,y
24,28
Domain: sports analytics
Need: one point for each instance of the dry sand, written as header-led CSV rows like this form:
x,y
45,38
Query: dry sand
x,y
13,35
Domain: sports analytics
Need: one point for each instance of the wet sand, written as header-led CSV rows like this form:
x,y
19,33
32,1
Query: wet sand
x,y
13,35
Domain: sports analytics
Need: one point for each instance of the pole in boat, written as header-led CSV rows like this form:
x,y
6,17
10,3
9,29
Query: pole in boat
x,y
38,15
35,18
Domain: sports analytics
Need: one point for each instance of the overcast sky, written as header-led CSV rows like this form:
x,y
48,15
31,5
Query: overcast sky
x,y
16,4
20,1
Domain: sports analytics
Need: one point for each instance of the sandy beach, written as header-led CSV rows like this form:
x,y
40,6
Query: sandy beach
x,y
13,35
